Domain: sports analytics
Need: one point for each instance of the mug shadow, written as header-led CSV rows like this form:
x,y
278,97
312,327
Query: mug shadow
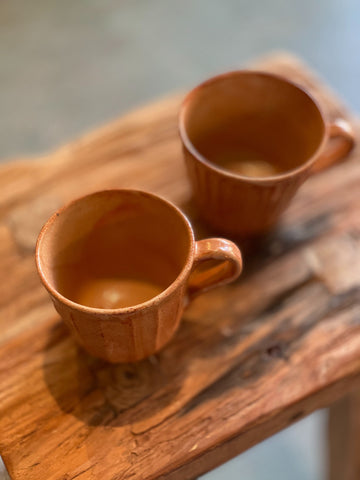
x,y
100,393
143,393
256,250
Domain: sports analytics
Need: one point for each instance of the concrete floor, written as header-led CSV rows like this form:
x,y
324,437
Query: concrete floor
x,y
67,67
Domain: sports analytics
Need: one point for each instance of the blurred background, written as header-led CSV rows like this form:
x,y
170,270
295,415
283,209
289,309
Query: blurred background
x,y
67,67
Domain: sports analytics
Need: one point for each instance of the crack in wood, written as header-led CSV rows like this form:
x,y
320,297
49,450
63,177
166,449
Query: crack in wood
x,y
81,473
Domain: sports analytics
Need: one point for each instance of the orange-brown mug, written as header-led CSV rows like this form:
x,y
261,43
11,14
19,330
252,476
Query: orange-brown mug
x,y
250,139
121,265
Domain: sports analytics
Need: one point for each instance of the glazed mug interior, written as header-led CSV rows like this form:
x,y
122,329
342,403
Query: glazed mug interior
x,y
252,124
112,255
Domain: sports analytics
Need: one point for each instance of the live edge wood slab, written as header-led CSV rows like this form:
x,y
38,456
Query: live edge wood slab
x,y
248,360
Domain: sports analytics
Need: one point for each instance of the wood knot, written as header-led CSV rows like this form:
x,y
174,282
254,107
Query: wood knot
x,y
129,375
297,416
275,351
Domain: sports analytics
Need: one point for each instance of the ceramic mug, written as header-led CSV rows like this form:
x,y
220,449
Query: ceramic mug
x,y
120,266
250,139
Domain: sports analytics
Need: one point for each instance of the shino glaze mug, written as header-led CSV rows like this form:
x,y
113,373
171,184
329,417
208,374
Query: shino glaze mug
x,y
121,265
250,139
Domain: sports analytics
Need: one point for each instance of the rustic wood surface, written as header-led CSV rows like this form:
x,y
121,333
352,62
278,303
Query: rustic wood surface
x,y
248,360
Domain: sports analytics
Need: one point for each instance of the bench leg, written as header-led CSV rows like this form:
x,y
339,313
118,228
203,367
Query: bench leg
x,y
344,438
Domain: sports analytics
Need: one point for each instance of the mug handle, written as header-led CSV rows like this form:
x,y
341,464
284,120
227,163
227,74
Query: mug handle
x,y
340,142
217,262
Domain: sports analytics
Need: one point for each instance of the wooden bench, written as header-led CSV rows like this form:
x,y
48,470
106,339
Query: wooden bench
x,y
249,359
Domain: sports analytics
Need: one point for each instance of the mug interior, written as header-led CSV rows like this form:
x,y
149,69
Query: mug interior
x,y
251,123
114,249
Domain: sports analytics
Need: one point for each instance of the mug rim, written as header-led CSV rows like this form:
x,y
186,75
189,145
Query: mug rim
x,y
227,173
109,312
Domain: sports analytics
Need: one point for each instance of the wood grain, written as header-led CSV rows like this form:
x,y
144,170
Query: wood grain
x,y
248,360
